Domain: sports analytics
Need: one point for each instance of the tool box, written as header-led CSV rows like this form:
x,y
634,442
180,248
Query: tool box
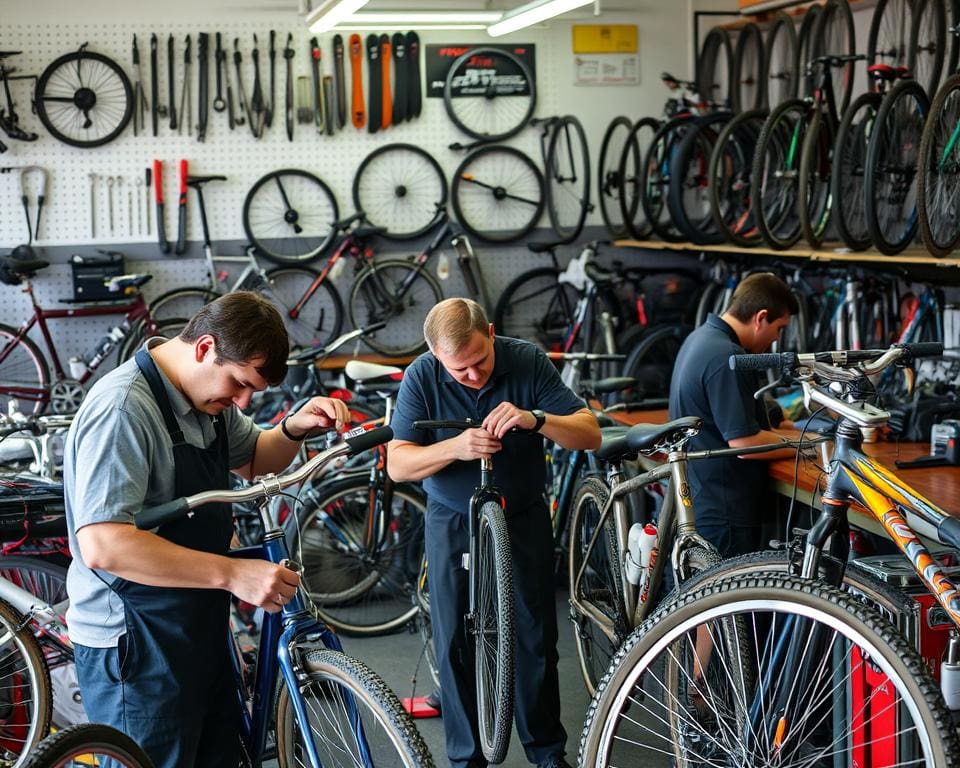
x,y
91,274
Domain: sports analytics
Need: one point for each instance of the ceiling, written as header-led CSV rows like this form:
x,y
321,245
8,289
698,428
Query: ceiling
x,y
303,6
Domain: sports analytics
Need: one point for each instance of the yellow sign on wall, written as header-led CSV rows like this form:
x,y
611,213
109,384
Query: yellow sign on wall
x,y
604,38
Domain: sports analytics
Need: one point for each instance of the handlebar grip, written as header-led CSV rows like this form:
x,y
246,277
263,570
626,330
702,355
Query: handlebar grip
x,y
778,360
367,440
924,349
164,513
949,531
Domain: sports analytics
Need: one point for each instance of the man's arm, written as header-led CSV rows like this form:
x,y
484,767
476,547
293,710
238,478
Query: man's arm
x,y
577,431
409,461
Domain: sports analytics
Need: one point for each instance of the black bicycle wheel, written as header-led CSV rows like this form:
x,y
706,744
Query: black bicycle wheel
x,y
774,180
89,744
567,178
494,633
288,216
498,194
715,67
780,75
24,375
892,158
609,180
651,361
313,319
489,94
400,187
805,44
537,307
631,173
938,168
953,37
84,99
928,42
748,90
814,203
182,302
835,36
655,176
888,41
728,178
849,171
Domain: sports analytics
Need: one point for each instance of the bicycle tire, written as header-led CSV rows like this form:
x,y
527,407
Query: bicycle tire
x,y
835,36
487,187
715,67
26,701
847,181
728,178
852,624
937,206
655,176
23,370
80,106
293,224
609,180
630,172
953,18
773,178
487,111
375,296
337,691
182,302
814,202
928,38
651,361
780,74
567,178
494,633
709,298
310,322
359,590
537,307
805,43
888,41
892,157
401,188
425,625
748,90
88,744
168,329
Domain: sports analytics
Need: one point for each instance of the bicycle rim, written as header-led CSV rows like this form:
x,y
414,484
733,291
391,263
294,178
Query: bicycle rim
x,y
655,176
631,176
651,361
609,180
688,198
889,39
815,203
23,374
748,90
568,179
927,43
805,43
835,36
938,201
715,67
728,182
780,60
849,171
538,307
310,321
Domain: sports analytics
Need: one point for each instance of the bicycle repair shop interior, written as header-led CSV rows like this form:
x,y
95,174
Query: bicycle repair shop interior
x,y
355,102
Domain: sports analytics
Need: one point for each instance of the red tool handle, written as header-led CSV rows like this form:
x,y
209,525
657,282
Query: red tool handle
x,y
158,181
183,182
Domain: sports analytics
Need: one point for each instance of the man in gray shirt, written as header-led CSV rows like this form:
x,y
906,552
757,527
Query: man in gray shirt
x,y
149,609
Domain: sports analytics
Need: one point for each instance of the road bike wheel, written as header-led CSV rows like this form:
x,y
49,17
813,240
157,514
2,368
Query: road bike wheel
x,y
361,580
167,328
928,40
567,189
630,171
312,319
774,178
493,633
599,587
780,74
728,178
851,653
396,292
888,41
489,94
805,43
651,361
182,302
289,216
847,182
609,180
655,176
748,67
715,67
338,692
498,194
814,203
24,375
688,195
88,745
938,204
835,36
402,188
953,39
537,307
425,625
84,99
892,158
25,697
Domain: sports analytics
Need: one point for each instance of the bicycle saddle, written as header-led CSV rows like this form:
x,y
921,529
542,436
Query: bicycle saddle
x,y
363,233
373,377
643,437
23,261
197,181
544,247
606,386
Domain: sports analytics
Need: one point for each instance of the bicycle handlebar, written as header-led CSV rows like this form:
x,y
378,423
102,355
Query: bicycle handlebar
x,y
586,356
315,353
461,424
791,361
264,487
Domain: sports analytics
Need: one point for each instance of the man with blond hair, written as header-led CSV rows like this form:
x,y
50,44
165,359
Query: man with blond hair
x,y
502,383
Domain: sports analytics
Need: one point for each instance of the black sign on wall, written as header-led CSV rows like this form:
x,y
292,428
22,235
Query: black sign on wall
x,y
479,73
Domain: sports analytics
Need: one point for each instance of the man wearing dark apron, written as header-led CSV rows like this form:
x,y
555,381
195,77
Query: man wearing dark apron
x,y
149,610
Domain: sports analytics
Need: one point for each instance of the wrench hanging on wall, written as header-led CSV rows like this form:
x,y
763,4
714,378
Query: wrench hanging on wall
x,y
203,54
288,54
316,69
241,93
155,108
139,96
340,84
220,57
171,85
186,94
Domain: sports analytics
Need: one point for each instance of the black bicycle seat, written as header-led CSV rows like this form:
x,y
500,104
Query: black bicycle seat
x,y
547,247
344,224
613,446
605,386
365,232
198,181
23,260
643,437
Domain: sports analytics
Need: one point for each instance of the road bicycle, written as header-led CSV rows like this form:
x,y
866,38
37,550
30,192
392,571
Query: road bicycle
x,y
823,673
88,744
327,708
9,119
566,163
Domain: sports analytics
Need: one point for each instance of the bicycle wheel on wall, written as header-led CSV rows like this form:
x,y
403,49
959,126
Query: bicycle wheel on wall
x,y
780,75
400,187
835,36
537,307
655,176
728,178
24,375
568,178
928,40
814,202
888,41
715,67
848,179
288,216
805,43
938,205
609,180
88,745
631,176
748,68
312,313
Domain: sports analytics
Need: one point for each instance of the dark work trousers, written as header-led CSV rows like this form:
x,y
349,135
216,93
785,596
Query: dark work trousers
x,y
537,693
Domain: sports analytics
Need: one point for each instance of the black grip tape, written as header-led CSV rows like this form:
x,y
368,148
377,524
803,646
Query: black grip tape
x,y
164,513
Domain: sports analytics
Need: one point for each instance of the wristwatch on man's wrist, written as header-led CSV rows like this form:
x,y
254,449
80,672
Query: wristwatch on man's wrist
x,y
541,418
288,434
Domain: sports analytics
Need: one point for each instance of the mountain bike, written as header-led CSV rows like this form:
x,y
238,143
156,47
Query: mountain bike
x,y
88,744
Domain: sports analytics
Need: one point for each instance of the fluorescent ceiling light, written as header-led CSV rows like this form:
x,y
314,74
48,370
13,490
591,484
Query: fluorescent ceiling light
x,y
329,13
416,18
366,26
532,13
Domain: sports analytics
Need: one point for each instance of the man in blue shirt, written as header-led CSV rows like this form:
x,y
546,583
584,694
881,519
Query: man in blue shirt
x,y
503,383
729,494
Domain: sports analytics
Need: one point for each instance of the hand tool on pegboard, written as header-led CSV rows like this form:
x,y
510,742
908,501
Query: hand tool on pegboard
x,y
288,54
158,189
272,106
147,181
241,92
399,47
257,106
186,92
110,182
358,111
171,84
386,57
316,70
414,97
374,73
182,212
339,81
203,96
139,95
155,108
25,171
93,204
328,118
219,57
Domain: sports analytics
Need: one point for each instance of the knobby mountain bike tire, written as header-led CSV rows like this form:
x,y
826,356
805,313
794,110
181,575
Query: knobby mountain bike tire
x,y
835,36
655,176
814,201
494,633
609,180
728,178
937,204
338,692
715,67
567,178
631,174
748,90
848,179
536,306
775,611
928,39
90,744
780,73
805,43
24,374
888,41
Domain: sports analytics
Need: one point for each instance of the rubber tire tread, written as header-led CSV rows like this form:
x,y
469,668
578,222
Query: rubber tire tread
x,y
78,740
584,158
811,137
836,178
615,231
738,124
950,87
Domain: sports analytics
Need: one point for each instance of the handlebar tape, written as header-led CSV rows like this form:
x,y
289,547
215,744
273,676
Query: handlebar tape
x,y
367,440
164,513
